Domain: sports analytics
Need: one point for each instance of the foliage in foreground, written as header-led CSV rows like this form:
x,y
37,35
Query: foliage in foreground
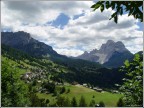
x,y
134,8
14,92
133,85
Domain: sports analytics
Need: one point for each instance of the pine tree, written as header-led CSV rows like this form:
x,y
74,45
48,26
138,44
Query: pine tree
x,y
68,90
62,90
74,102
120,103
82,102
92,103
67,102
60,101
101,104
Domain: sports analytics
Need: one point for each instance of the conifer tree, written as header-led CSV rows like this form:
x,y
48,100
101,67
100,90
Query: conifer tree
x,y
82,102
74,102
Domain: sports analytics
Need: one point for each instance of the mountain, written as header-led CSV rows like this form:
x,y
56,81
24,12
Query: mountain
x,y
111,54
22,48
69,70
24,42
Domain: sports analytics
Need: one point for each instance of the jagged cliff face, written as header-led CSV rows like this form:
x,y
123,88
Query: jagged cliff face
x,y
24,42
106,52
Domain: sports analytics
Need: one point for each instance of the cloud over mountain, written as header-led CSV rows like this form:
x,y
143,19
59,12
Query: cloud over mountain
x,y
84,33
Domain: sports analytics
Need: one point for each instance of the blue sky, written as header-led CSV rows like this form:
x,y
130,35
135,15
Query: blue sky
x,y
60,21
63,19
141,26
70,27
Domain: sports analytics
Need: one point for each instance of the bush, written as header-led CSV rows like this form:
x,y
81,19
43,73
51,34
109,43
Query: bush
x,y
50,87
62,90
101,104
68,90
34,83
120,103
55,93
132,87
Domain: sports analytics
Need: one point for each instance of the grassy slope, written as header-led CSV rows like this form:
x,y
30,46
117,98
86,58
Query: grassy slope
x,y
21,71
108,98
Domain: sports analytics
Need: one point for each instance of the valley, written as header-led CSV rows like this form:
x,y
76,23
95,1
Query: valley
x,y
45,78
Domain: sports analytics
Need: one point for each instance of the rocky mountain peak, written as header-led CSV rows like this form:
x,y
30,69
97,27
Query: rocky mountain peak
x,y
16,38
106,51
24,42
110,42
85,52
93,51
112,46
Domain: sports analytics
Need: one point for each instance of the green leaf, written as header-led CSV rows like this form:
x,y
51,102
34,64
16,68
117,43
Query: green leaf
x,y
117,85
107,4
93,6
96,6
102,8
130,12
126,63
137,57
112,5
113,15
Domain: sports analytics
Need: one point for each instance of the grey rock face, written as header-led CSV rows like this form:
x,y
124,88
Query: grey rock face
x,y
24,42
105,52
13,39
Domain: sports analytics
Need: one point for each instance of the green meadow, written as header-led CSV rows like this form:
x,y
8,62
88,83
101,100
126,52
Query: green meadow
x,y
108,98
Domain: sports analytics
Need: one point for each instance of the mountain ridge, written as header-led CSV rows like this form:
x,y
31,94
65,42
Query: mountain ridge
x,y
24,42
111,54
107,54
38,49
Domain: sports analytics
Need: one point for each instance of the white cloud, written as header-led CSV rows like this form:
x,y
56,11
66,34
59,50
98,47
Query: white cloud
x,y
83,34
40,11
69,52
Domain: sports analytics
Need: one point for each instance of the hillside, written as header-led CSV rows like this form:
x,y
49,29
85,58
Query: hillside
x,y
76,69
44,74
69,70
47,76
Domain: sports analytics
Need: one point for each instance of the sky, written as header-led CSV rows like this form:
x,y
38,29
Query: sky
x,y
70,27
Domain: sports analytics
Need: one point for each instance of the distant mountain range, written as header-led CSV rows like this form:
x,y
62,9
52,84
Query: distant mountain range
x,y
24,42
20,45
110,54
